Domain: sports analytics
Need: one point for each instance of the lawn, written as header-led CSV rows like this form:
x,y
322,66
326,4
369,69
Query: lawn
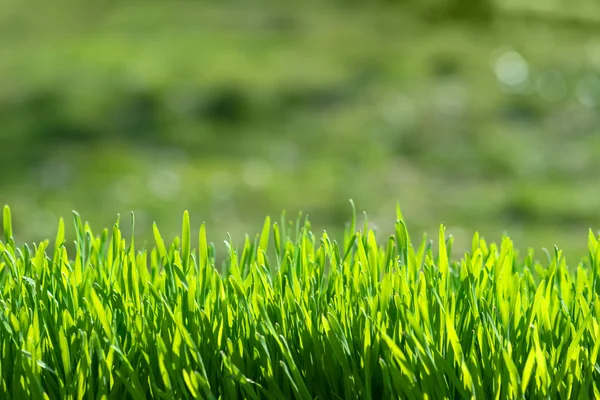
x,y
236,112
293,314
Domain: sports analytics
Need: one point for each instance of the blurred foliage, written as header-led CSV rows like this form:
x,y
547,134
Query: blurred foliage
x,y
468,112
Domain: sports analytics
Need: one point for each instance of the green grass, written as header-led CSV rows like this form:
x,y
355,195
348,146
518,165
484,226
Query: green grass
x,y
294,314
160,108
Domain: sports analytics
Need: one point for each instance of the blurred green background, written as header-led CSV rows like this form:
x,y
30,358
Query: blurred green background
x,y
479,114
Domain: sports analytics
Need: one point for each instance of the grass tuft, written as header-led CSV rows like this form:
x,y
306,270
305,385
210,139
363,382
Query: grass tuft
x,y
294,315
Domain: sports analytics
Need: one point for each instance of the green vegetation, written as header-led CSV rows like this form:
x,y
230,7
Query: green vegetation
x,y
292,314
234,111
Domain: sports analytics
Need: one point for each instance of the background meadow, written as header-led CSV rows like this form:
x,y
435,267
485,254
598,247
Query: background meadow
x,y
481,115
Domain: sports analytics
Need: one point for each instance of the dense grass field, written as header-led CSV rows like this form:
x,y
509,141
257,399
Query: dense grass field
x,y
294,314
235,112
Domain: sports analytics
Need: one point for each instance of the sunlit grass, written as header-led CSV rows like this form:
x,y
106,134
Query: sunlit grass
x,y
293,314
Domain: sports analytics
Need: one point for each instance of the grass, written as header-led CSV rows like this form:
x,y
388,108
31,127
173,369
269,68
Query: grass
x,y
293,314
236,111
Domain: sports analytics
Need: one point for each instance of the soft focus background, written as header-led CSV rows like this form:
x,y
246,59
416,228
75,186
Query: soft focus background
x,y
481,114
